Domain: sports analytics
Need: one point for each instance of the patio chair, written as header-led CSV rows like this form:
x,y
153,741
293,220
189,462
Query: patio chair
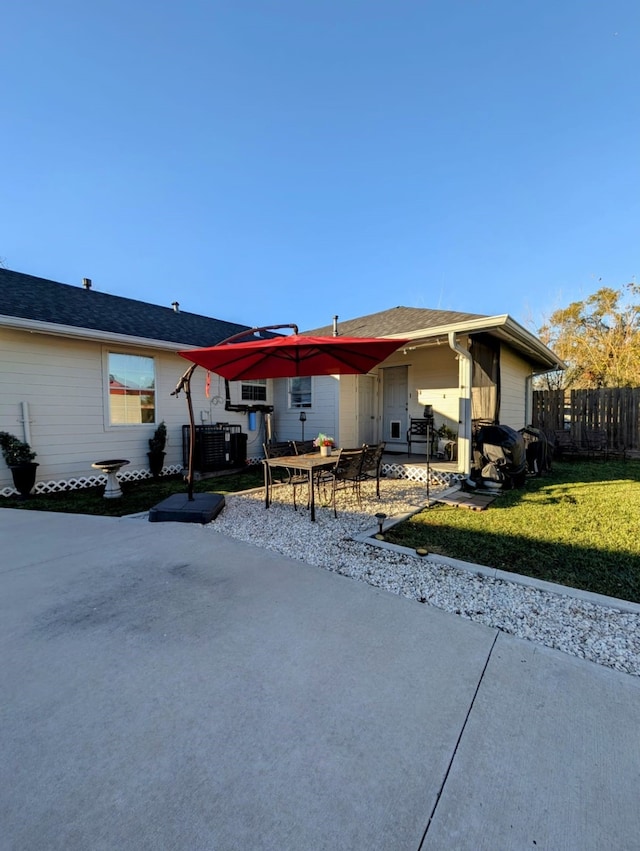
x,y
417,433
597,442
303,447
566,445
346,473
293,477
371,464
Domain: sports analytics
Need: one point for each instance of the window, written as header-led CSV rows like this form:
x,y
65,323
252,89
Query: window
x,y
255,391
300,392
132,395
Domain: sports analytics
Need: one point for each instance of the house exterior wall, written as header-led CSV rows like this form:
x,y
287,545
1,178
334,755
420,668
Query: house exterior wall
x,y
433,380
432,375
359,422
322,416
348,411
514,371
65,384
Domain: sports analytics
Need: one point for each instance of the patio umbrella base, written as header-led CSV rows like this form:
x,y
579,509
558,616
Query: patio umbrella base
x,y
177,508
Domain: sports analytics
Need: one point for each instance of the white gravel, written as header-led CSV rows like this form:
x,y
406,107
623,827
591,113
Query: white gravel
x,y
601,634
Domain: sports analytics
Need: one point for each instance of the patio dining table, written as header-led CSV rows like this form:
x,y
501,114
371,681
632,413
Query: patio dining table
x,y
310,462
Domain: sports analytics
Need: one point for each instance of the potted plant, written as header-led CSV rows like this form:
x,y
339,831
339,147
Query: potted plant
x,y
447,445
325,443
156,451
19,456
446,433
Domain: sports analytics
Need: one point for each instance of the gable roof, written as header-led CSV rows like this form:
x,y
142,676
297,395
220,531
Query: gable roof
x,y
37,301
396,320
424,327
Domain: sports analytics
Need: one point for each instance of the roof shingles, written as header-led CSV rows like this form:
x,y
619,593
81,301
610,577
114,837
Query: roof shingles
x,y
397,320
39,299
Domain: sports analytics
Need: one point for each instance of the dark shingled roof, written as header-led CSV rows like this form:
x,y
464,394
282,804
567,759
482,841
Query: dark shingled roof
x,y
397,320
38,299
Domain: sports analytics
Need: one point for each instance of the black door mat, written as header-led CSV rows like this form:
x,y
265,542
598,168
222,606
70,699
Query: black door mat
x,y
474,501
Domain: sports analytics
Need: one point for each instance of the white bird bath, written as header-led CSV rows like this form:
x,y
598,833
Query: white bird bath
x,y
110,468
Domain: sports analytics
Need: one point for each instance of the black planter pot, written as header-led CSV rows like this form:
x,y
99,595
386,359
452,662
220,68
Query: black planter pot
x,y
24,477
156,463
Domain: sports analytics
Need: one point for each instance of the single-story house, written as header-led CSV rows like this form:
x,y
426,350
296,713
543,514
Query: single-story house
x,y
468,367
86,376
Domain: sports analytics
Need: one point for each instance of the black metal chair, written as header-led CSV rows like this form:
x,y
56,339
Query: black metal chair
x,y
566,446
371,464
293,477
418,432
347,472
597,442
303,447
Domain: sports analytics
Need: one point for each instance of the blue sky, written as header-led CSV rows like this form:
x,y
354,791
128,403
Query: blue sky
x,y
270,161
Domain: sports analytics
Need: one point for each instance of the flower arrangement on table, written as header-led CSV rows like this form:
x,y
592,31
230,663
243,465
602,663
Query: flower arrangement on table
x,y
323,440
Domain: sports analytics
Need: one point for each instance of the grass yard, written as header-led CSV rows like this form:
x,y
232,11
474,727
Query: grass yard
x,y
136,496
578,526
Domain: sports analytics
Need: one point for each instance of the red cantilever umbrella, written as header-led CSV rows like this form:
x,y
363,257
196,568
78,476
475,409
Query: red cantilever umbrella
x,y
287,357
282,357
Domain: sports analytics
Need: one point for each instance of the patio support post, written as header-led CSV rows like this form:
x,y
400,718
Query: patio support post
x,y
465,372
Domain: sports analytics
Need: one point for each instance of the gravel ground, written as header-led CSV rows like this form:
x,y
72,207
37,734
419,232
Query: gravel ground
x,y
598,633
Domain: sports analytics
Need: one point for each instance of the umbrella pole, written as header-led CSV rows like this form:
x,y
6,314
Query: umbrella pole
x,y
185,384
192,436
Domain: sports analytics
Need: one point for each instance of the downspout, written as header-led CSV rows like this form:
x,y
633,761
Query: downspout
x,y
528,400
465,374
26,422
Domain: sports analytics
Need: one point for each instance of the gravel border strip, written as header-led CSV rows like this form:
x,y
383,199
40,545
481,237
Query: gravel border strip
x,y
601,631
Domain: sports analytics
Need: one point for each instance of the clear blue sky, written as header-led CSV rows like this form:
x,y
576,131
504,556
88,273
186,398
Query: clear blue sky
x,y
277,161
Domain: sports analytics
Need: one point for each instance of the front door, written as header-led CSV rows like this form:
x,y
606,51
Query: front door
x,y
394,404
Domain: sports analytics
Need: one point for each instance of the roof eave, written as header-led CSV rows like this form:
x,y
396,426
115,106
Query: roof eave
x,y
71,332
468,326
508,329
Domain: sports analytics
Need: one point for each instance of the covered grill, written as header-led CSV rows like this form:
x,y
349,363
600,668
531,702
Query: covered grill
x,y
499,457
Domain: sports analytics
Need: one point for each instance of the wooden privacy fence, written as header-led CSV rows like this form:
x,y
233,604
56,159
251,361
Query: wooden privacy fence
x,y
616,410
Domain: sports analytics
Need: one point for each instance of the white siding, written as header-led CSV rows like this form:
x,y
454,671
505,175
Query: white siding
x,y
513,381
433,380
322,416
336,401
64,383
348,429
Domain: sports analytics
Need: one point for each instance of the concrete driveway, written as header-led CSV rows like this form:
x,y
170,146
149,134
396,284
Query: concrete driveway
x,y
165,687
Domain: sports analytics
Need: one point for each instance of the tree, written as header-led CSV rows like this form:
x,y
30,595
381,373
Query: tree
x,y
598,338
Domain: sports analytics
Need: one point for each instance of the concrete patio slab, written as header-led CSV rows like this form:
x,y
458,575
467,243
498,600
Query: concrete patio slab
x,y
175,689
549,758
167,687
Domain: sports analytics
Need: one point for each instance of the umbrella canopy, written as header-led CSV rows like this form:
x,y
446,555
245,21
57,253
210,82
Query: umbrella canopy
x,y
288,357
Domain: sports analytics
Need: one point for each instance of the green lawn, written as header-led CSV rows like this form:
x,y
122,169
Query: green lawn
x,y
579,526
136,496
